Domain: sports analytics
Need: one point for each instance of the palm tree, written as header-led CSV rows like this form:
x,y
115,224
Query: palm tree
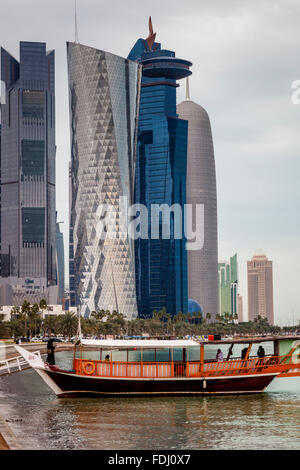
x,y
43,306
50,324
208,317
25,309
189,316
33,318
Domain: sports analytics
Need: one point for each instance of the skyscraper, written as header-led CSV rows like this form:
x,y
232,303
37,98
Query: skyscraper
x,y
104,98
60,263
228,286
161,264
260,287
201,189
28,249
240,308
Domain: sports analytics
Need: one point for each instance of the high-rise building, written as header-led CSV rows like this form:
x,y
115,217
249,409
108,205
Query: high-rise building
x,y
72,294
228,286
60,263
201,189
260,287
28,248
104,97
161,264
240,308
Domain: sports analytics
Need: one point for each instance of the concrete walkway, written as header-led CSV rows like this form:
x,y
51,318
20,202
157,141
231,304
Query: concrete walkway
x,y
8,440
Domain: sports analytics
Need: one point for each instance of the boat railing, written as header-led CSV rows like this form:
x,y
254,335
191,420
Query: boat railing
x,y
269,364
15,364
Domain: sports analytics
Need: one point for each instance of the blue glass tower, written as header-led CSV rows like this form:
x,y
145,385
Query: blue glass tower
x,y
160,178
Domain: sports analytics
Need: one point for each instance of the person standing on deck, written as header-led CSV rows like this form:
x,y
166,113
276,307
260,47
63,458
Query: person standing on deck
x,y
219,356
260,352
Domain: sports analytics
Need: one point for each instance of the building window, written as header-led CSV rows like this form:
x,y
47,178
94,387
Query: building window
x,y
33,104
33,225
33,157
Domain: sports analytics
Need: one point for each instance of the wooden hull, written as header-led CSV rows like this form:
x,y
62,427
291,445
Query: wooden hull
x,y
72,385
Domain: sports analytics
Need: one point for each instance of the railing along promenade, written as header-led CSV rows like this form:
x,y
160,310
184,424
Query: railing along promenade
x,y
268,364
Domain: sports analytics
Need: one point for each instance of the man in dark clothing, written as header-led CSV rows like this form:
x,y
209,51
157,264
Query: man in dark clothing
x,y
260,352
244,352
50,352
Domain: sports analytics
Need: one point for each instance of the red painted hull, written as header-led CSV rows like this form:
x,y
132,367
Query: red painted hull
x,y
77,385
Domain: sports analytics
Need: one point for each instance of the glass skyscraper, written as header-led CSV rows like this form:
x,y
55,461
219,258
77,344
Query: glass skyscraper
x,y
228,286
104,98
28,248
161,264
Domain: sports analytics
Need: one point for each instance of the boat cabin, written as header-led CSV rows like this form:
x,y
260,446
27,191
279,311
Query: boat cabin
x,y
184,358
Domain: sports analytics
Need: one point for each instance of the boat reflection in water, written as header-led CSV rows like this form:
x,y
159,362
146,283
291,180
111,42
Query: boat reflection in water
x,y
164,367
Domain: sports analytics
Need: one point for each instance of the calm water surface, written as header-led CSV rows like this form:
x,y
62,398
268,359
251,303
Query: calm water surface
x,y
267,421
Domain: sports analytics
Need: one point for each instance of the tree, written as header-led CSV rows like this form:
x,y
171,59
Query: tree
x,y
50,324
25,309
4,328
33,318
67,324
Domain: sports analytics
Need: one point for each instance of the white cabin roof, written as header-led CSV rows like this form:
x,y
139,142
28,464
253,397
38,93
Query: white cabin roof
x,y
146,343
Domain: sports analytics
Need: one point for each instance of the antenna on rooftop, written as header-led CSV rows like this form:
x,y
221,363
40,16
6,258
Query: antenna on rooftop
x,y
187,92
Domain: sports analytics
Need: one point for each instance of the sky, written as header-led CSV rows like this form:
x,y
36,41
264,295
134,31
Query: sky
x,y
245,57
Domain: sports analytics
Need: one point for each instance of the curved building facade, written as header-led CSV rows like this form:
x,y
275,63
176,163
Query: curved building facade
x,y
104,101
201,189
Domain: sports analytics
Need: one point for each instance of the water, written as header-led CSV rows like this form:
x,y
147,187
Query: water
x,y
266,421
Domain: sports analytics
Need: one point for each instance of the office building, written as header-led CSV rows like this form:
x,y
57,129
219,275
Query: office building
x,y
28,245
60,263
228,286
160,178
201,190
260,287
240,308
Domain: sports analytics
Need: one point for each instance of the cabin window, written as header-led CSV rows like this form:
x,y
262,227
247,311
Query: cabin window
x,y
91,355
163,355
193,354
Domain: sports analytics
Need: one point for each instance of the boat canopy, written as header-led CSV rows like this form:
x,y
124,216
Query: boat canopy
x,y
141,344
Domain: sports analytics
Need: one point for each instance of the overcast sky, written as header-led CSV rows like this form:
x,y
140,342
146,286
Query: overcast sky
x,y
245,57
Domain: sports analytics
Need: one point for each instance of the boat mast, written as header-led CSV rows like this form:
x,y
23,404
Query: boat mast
x,y
113,280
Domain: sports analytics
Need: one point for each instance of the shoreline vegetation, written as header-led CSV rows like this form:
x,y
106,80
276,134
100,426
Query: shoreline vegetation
x,y
27,321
